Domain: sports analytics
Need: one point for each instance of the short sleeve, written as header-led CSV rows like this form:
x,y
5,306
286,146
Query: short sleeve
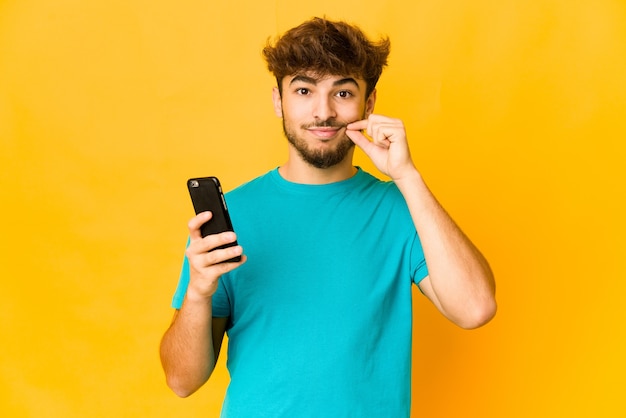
x,y
183,283
419,269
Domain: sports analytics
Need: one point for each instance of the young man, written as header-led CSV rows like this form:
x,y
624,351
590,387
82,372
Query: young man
x,y
318,312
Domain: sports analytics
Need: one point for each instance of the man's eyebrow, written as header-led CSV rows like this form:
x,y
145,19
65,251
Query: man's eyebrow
x,y
311,80
347,80
303,79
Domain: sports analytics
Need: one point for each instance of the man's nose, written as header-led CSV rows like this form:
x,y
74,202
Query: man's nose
x,y
324,109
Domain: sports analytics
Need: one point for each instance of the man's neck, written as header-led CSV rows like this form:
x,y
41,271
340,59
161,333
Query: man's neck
x,y
297,171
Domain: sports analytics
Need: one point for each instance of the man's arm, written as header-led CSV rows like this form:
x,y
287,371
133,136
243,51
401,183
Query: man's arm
x,y
460,282
191,345
190,349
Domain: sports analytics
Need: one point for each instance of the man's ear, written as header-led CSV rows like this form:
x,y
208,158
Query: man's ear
x,y
369,104
278,102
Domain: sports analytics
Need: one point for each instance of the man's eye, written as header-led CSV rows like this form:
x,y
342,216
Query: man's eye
x,y
344,94
302,91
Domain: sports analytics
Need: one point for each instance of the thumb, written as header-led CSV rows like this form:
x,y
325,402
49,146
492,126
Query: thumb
x,y
360,140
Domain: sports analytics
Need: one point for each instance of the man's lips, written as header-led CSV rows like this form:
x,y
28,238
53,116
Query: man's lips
x,y
324,132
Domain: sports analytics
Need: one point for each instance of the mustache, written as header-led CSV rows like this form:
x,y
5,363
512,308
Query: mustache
x,y
329,123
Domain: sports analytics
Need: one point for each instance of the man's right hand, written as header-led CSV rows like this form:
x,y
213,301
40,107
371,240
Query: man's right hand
x,y
206,264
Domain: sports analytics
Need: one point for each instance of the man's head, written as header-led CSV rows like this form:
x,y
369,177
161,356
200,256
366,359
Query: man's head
x,y
325,47
326,73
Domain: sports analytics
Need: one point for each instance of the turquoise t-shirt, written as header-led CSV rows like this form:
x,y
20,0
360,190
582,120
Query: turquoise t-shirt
x,y
320,315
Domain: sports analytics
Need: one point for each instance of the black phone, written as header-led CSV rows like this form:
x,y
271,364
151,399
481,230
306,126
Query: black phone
x,y
206,195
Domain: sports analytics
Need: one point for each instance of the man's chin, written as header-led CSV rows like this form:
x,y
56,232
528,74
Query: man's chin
x,y
328,157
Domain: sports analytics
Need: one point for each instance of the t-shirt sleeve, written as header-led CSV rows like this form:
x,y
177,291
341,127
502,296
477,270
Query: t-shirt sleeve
x,y
419,269
183,283
220,301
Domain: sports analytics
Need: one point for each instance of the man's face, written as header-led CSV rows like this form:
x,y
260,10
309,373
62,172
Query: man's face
x,y
315,112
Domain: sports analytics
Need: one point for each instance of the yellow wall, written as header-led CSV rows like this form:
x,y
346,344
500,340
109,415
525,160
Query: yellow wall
x,y
516,112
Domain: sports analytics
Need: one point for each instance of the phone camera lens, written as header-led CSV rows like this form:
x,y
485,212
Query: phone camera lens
x,y
194,183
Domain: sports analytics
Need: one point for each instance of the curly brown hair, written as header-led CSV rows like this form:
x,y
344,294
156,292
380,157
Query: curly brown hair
x,y
326,47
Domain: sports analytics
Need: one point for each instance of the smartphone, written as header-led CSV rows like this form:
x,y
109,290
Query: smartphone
x,y
206,195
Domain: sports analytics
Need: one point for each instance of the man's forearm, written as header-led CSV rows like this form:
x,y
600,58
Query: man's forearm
x,y
187,352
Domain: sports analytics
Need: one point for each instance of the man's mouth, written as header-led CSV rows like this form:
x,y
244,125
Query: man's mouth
x,y
324,133
325,130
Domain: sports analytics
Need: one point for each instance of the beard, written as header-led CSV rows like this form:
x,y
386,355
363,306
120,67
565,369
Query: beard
x,y
320,158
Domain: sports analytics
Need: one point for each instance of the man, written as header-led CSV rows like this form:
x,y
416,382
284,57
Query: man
x,y
318,312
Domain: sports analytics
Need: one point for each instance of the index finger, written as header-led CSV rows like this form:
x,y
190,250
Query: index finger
x,y
196,222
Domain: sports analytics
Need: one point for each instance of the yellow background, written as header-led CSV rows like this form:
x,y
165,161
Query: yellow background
x,y
516,116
